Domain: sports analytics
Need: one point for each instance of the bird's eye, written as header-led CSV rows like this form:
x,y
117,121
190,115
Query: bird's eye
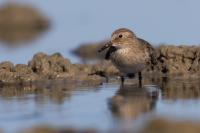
x,y
120,36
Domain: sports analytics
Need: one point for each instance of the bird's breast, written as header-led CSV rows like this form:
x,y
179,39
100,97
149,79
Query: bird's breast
x,y
129,60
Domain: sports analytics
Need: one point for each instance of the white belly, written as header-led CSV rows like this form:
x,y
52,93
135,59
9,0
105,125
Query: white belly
x,y
135,68
129,62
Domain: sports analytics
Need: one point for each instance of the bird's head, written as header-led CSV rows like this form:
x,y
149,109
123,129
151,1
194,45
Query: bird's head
x,y
121,38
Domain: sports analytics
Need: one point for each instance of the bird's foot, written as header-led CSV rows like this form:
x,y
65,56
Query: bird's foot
x,y
122,80
140,79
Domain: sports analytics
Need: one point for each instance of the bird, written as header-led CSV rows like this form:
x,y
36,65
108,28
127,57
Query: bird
x,y
129,53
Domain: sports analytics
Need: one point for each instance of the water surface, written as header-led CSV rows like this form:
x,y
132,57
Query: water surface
x,y
105,107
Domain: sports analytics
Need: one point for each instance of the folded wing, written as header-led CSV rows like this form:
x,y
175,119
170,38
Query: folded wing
x,y
150,50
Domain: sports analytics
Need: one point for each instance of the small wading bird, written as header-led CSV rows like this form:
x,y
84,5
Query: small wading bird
x,y
129,53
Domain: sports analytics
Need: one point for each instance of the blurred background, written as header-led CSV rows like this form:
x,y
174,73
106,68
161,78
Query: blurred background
x,y
71,23
31,26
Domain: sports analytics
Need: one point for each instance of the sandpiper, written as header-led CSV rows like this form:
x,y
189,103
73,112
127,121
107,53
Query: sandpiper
x,y
129,53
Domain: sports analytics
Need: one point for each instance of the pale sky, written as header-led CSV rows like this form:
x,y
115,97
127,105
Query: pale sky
x,y
75,22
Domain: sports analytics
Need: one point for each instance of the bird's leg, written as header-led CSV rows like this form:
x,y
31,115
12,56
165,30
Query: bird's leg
x,y
140,79
122,80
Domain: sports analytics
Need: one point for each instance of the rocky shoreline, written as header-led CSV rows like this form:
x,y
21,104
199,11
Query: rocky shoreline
x,y
171,60
44,68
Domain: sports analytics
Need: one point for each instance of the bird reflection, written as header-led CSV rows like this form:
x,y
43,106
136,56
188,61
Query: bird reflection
x,y
55,92
130,101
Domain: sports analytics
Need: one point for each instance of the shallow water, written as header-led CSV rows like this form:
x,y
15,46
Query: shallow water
x,y
108,106
105,107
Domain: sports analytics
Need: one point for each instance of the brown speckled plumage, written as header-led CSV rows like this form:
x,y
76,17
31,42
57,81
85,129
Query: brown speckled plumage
x,y
129,53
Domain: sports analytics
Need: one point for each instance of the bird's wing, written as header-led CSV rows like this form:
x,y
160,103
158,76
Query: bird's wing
x,y
150,50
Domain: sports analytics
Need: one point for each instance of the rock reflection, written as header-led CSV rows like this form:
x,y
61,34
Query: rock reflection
x,y
162,125
131,101
48,129
174,89
56,92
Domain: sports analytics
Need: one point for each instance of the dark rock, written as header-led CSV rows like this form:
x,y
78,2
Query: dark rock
x,y
39,63
6,66
178,59
22,69
59,64
20,23
50,66
7,77
27,78
90,51
15,16
107,67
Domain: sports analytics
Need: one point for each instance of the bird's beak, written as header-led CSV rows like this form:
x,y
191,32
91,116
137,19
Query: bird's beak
x,y
107,45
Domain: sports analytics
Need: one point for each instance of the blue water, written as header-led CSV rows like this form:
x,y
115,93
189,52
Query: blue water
x,y
89,107
84,108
